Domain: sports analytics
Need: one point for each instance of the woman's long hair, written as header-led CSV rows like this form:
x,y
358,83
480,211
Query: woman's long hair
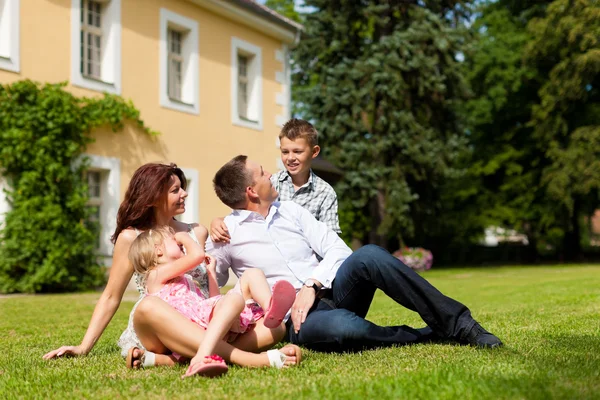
x,y
148,187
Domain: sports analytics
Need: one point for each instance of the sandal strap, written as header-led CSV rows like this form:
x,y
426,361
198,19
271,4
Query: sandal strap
x,y
148,359
276,358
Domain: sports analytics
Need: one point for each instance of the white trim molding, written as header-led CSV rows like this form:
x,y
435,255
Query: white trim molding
x,y
110,73
9,35
283,98
190,96
110,167
255,92
251,20
191,214
4,204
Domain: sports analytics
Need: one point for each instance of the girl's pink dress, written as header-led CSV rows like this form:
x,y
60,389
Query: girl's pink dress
x,y
185,296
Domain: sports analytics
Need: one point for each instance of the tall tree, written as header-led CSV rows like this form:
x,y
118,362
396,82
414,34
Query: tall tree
x,y
287,8
505,164
565,47
381,80
534,74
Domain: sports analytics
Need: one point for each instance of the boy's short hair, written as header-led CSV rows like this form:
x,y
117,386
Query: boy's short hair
x,y
299,128
231,180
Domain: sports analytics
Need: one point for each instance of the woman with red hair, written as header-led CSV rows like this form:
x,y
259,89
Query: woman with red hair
x,y
156,194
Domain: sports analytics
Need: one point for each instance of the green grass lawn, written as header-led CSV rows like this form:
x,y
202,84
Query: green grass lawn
x,y
548,318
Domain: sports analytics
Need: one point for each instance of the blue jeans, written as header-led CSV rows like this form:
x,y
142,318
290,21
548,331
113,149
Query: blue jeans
x,y
337,321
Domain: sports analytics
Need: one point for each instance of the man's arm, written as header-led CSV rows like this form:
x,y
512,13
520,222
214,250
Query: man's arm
x,y
326,243
220,252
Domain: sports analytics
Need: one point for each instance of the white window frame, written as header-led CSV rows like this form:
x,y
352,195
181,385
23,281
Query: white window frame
x,y
110,70
190,91
9,35
192,201
255,98
5,207
96,201
110,193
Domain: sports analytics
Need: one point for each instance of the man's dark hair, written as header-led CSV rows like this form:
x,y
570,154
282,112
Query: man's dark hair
x,y
231,180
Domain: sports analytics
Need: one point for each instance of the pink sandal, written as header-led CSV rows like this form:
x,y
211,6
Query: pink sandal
x,y
282,299
208,370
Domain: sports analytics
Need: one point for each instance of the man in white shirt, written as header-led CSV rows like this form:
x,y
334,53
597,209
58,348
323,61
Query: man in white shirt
x,y
284,239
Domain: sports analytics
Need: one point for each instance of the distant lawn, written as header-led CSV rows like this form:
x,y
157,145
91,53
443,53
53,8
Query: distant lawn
x,y
548,317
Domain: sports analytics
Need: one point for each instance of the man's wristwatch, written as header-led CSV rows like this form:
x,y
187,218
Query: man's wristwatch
x,y
312,284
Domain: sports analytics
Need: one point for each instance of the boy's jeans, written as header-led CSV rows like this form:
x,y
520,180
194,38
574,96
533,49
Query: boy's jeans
x,y
336,322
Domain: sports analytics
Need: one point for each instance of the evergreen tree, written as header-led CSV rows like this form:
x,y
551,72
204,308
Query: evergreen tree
x,y
287,8
505,164
534,74
565,47
381,81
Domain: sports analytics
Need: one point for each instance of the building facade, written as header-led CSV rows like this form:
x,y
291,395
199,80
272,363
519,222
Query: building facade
x,y
212,76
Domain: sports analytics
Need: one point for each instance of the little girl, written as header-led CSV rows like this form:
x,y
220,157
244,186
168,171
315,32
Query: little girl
x,y
158,255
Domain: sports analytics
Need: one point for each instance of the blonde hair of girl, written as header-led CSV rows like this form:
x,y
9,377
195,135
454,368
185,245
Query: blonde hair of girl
x,y
142,253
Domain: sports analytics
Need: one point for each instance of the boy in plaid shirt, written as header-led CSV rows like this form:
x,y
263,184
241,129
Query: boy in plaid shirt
x,y
298,183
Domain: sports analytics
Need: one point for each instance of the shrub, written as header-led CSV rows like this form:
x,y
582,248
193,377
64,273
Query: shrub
x,y
45,242
416,258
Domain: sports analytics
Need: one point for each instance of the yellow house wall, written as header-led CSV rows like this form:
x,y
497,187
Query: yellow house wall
x,y
203,142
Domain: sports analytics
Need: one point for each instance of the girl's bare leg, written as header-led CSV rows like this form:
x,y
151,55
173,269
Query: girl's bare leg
x,y
260,338
254,285
225,314
161,328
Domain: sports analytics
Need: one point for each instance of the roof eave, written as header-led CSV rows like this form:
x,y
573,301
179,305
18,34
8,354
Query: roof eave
x,y
255,17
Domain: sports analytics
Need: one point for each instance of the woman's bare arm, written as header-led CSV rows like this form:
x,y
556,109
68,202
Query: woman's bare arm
x,y
194,256
120,275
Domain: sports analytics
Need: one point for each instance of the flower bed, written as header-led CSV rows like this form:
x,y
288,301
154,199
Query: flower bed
x,y
416,258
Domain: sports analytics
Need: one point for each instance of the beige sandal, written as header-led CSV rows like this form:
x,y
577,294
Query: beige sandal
x,y
147,358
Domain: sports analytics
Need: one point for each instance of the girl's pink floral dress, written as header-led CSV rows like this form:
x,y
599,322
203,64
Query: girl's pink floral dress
x,y
185,296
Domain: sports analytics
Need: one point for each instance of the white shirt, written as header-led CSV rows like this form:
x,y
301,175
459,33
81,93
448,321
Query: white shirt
x,y
284,245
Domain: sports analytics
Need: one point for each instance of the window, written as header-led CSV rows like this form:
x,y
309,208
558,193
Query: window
x,y
96,45
9,35
179,76
4,204
104,182
246,84
94,182
243,87
175,64
191,202
91,38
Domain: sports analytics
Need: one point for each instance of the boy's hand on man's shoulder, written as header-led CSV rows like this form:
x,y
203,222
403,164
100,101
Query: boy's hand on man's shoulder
x,y
219,231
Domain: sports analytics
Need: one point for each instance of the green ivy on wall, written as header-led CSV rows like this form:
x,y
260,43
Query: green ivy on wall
x,y
46,244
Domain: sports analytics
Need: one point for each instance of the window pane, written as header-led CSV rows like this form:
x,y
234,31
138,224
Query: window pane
x,y
94,184
175,38
91,39
175,79
242,66
81,52
243,100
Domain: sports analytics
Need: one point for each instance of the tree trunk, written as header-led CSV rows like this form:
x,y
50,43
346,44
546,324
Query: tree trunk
x,y
377,211
572,239
531,252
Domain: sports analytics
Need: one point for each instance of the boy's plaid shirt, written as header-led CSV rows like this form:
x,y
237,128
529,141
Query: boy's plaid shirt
x,y
316,195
